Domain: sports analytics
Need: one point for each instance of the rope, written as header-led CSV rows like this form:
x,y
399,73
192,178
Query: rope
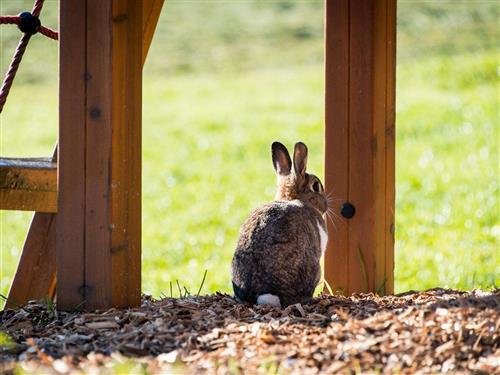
x,y
11,73
37,8
21,48
16,20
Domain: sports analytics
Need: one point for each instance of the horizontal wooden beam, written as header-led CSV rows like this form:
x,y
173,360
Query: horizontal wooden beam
x,y
28,184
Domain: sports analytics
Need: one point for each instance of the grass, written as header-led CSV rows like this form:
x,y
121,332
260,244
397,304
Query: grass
x,y
448,173
208,129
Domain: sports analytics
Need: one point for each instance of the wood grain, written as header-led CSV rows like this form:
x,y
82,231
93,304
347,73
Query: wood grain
x,y
336,138
28,184
36,270
390,144
359,141
151,10
70,219
123,145
112,155
361,148
98,154
379,137
126,153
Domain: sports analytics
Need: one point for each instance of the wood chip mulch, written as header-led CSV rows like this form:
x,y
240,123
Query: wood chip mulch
x,y
434,331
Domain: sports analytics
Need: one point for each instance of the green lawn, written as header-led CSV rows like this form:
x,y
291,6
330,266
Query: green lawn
x,y
207,133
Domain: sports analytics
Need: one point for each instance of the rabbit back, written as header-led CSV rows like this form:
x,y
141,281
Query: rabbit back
x,y
278,253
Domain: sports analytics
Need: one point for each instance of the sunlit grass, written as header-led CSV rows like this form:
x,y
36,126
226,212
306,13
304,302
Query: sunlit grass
x,y
225,79
448,173
207,164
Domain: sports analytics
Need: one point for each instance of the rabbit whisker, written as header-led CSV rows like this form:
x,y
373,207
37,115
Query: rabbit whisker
x,y
328,214
334,216
330,209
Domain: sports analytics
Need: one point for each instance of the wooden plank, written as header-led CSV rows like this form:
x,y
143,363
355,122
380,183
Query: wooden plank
x,y
151,10
362,245
366,165
337,147
70,219
36,270
113,233
126,265
28,184
35,275
126,151
379,137
390,144
35,188
98,154
112,156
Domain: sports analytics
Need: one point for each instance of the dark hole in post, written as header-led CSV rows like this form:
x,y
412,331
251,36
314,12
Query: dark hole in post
x,y
347,210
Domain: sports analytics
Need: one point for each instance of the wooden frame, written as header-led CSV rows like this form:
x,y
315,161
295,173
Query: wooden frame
x,y
95,237
28,184
35,276
360,54
125,257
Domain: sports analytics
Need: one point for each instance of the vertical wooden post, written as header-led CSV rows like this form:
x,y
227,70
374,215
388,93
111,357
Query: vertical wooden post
x,y
35,277
359,142
98,224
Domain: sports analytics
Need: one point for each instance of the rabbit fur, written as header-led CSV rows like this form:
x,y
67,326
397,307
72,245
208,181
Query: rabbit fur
x,y
277,258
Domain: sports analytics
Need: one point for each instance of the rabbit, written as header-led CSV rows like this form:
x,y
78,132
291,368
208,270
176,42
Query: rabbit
x,y
277,257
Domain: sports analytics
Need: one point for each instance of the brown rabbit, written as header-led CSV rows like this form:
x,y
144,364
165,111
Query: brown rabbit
x,y
277,258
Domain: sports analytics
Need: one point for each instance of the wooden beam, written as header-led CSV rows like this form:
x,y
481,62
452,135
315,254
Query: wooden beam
x,y
359,142
28,184
126,152
35,276
102,246
36,270
70,219
336,122
151,10
37,264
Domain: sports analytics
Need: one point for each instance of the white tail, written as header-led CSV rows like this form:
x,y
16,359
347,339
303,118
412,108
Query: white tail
x,y
269,299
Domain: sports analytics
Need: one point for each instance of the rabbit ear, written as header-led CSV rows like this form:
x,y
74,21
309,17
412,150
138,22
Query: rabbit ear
x,y
300,159
281,159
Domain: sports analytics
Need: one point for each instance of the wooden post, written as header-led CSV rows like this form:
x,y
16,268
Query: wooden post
x,y
360,53
98,224
35,277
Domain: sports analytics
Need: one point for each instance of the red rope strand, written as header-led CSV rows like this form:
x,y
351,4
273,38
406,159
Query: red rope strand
x,y
9,19
11,73
14,20
21,48
37,8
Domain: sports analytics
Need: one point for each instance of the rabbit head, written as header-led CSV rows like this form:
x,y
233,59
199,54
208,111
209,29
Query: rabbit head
x,y
297,184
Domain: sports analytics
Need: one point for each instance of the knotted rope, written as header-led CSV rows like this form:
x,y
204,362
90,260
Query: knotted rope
x,y
29,24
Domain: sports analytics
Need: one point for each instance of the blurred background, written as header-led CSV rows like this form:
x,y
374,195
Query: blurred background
x,y
224,79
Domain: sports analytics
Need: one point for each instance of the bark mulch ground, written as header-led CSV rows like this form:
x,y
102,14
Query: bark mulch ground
x,y
434,331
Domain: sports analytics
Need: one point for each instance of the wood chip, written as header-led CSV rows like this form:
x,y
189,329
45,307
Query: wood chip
x,y
428,332
102,325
